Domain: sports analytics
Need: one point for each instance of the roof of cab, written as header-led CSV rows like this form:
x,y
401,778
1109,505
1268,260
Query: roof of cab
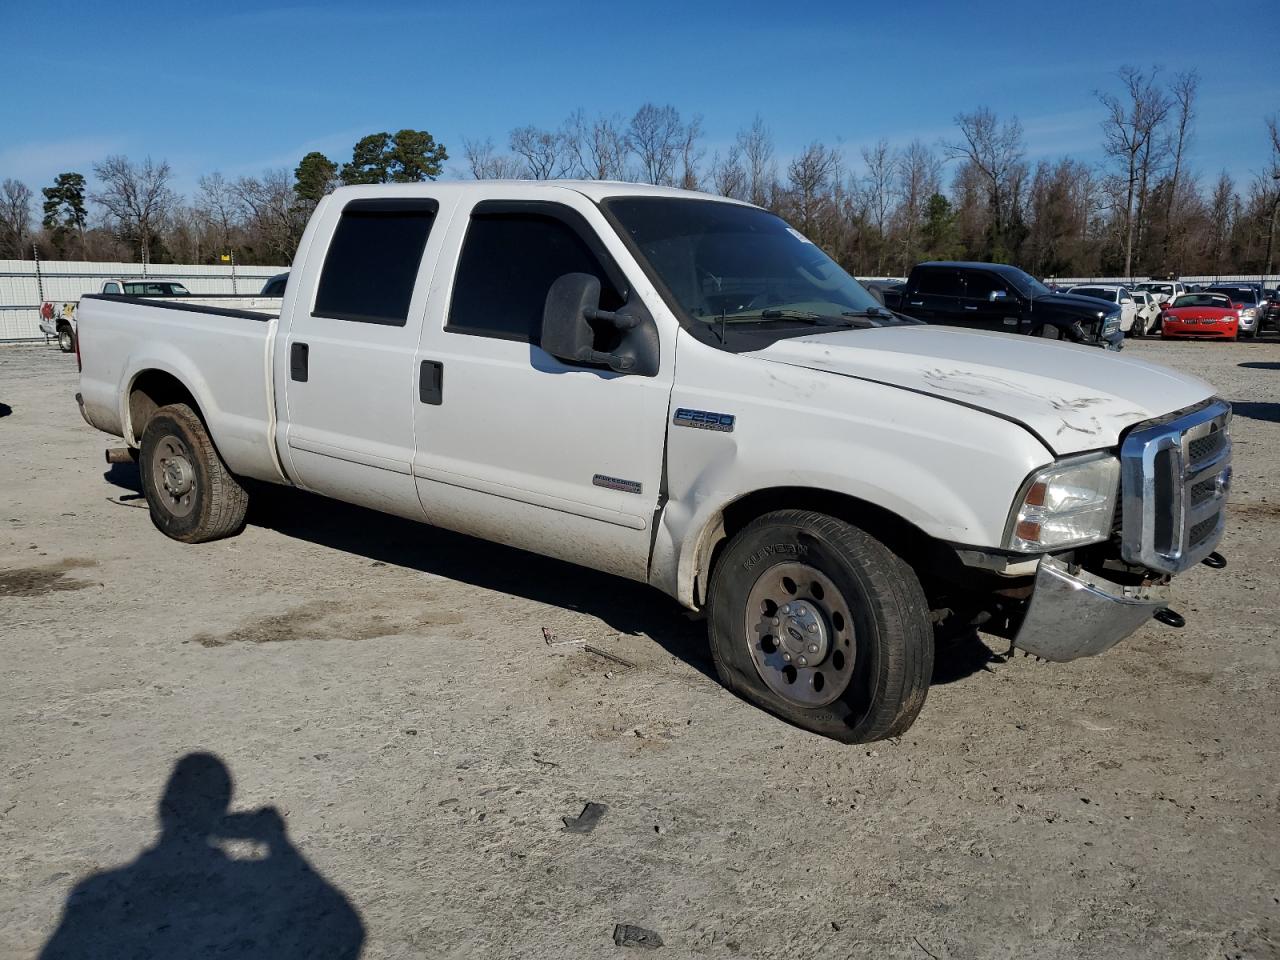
x,y
595,190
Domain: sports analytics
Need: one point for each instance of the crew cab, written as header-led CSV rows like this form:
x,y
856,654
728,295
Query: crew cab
x,y
685,391
58,317
998,297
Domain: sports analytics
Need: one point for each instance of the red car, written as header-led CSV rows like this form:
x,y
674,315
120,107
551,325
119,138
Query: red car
x,y
1208,315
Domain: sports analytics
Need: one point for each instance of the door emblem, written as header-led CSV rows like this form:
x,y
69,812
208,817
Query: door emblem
x,y
613,483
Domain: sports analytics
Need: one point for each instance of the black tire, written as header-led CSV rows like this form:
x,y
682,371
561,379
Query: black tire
x,y
887,631
193,497
66,339
1139,328
1049,332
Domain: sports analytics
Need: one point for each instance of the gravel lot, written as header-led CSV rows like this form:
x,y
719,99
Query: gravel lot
x,y
386,689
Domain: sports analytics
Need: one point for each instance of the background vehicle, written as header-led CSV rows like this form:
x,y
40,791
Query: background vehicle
x,y
1111,293
823,479
1247,299
879,288
275,286
998,297
1204,315
1163,291
1271,311
1147,316
58,317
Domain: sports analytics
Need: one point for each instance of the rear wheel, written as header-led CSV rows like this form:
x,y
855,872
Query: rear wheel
x,y
1049,332
66,339
818,622
192,495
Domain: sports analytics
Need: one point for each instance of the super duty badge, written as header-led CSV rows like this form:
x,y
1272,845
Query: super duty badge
x,y
703,420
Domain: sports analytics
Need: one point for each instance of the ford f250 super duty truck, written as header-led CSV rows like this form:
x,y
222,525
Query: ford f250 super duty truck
x,y
996,296
682,390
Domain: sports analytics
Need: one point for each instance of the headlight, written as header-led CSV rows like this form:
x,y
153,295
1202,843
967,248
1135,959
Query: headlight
x,y
1067,504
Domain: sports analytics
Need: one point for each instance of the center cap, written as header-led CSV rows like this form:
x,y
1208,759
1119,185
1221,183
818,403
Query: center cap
x,y
177,476
802,632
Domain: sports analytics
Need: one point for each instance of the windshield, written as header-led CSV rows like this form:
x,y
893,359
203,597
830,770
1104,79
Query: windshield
x,y
1165,288
154,289
1096,292
1202,300
1237,295
1024,283
725,263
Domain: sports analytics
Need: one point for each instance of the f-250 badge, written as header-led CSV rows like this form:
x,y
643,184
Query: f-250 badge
x,y
703,420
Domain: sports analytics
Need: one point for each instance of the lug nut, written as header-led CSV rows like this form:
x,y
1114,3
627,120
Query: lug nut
x,y
803,662
813,628
786,608
787,657
813,648
776,621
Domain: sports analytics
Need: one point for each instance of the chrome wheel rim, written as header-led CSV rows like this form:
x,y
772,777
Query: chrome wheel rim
x,y
173,477
800,634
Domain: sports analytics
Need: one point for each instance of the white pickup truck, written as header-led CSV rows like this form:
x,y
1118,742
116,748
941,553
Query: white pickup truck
x,y
682,390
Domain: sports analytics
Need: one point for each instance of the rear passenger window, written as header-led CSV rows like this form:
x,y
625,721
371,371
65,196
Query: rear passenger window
x,y
372,262
940,282
508,262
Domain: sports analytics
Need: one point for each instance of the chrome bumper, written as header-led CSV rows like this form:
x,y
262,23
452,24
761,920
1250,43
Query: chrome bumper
x,y
1074,615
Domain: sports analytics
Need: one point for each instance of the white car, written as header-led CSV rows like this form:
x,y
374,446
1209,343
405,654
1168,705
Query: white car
x,y
685,391
1147,313
1112,293
1162,291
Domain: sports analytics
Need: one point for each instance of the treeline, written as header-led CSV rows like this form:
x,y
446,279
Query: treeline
x,y
1142,211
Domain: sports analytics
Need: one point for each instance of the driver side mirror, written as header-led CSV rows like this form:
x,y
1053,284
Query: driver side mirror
x,y
572,303
995,296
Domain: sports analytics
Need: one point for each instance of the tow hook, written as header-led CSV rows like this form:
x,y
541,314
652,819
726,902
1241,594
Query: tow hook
x,y
1170,618
1215,561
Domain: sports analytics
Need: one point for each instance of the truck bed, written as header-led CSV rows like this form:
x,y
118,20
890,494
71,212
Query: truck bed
x,y
221,353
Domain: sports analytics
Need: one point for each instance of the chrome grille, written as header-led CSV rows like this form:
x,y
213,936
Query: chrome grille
x,y
1175,473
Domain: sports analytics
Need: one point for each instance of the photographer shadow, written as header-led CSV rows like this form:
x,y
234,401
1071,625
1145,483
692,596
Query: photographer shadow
x,y
187,897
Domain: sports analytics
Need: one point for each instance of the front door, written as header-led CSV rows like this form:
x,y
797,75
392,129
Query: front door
x,y
989,303
514,445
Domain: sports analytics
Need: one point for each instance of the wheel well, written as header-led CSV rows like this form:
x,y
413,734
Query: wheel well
x,y
152,390
933,560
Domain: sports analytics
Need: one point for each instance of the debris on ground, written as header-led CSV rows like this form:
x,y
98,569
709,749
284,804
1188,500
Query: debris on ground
x,y
607,655
625,935
586,821
550,639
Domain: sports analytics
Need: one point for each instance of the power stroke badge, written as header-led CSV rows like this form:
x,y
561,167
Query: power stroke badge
x,y
704,420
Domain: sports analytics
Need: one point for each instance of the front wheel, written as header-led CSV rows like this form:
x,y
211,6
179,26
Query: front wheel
x,y
1048,332
192,495
816,621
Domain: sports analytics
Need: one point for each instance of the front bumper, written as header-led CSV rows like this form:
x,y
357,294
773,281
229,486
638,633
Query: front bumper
x,y
1075,614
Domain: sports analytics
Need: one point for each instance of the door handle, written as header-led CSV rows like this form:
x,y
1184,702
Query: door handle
x,y
431,382
298,353
917,303
970,308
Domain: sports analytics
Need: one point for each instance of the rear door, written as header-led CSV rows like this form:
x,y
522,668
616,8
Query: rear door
x,y
347,362
513,444
936,294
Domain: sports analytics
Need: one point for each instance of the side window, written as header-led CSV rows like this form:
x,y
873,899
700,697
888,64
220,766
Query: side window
x,y
113,288
941,282
372,261
508,262
979,284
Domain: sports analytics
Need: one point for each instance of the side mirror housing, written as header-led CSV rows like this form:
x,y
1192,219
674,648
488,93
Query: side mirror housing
x,y
573,304
995,296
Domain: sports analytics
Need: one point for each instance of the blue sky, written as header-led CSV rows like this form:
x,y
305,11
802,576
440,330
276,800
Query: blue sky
x,y
241,87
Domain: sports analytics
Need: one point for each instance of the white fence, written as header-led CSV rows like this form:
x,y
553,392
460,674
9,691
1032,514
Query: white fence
x,y
24,285
1269,280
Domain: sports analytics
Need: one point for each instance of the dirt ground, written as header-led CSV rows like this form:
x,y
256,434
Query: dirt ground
x,y
404,745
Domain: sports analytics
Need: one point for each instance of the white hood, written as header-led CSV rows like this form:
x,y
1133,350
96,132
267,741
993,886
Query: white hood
x,y
1075,398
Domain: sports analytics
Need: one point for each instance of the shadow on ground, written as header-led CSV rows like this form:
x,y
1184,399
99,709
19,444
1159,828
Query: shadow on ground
x,y
188,896
1255,410
1260,365
627,607
5,409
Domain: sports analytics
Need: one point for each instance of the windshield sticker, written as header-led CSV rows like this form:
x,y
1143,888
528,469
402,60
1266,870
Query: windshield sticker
x,y
798,235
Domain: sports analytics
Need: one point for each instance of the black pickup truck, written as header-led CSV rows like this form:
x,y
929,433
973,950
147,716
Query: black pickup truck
x,y
996,296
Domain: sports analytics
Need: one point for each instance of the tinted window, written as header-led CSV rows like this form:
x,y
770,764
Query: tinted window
x,y
940,282
507,265
111,288
373,259
979,284
1096,292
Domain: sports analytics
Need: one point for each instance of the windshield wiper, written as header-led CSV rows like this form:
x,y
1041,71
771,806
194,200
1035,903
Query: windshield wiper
x,y
781,313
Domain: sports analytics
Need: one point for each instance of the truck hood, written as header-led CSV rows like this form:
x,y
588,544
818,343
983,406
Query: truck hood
x,y
1075,303
1073,398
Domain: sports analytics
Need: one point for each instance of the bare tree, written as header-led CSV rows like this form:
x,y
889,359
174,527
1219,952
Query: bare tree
x,y
1130,125
994,151
728,178
15,219
755,144
877,187
691,154
273,211
917,176
656,137
811,176
485,163
1222,215
1185,87
599,146
136,197
543,152
218,203
1269,187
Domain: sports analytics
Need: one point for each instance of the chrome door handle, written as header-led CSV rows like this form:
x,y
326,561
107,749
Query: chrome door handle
x,y
971,308
917,303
